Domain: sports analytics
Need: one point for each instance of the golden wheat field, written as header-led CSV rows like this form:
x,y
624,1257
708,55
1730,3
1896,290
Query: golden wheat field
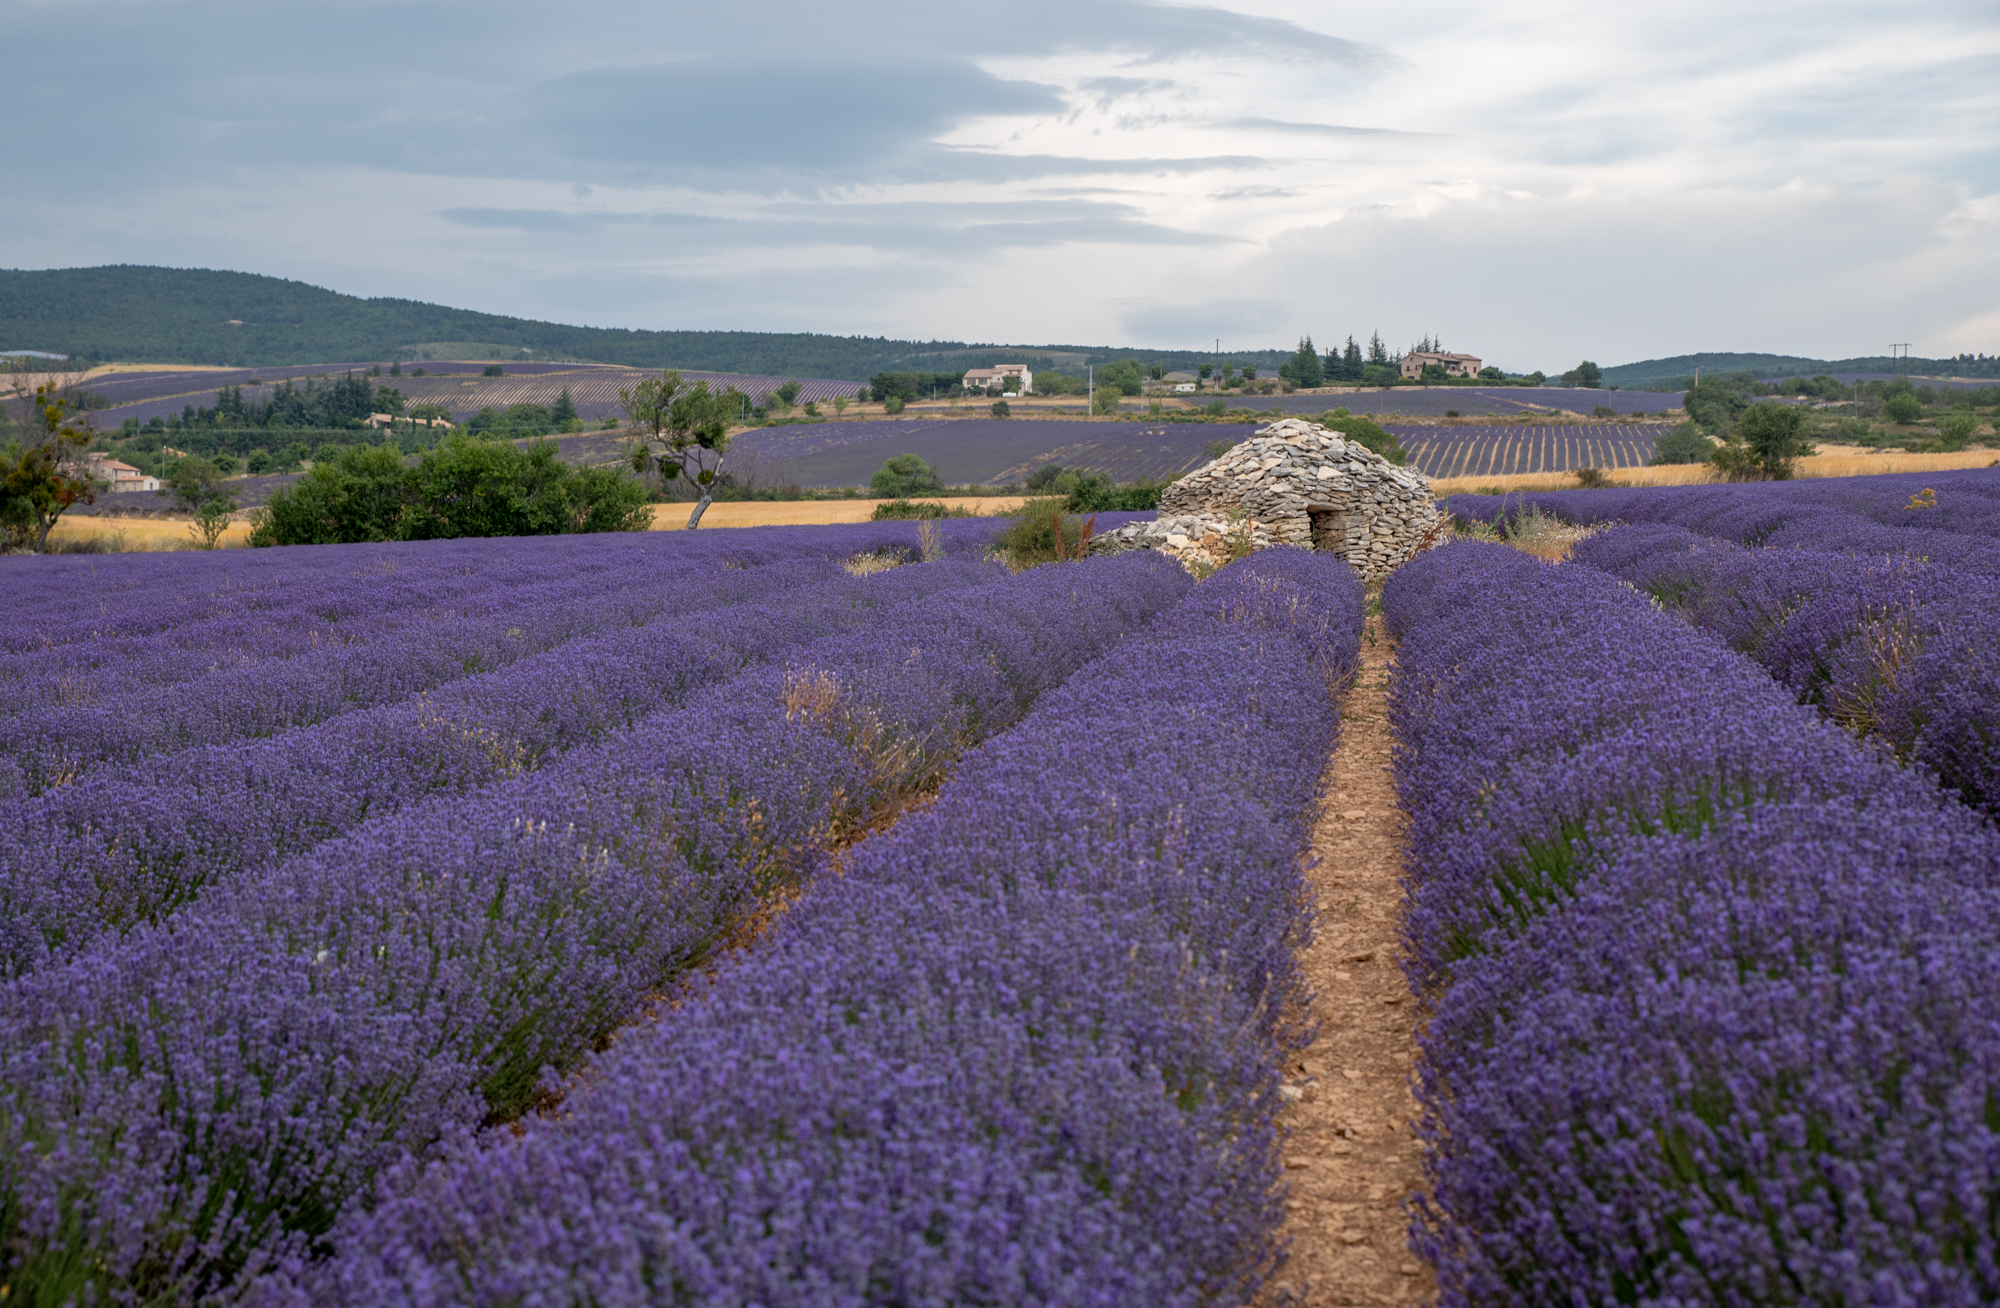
x,y
1831,461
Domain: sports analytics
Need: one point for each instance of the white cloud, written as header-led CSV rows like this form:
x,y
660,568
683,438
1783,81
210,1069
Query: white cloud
x,y
1533,181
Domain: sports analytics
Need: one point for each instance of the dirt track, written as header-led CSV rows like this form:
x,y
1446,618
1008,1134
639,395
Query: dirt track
x,y
1352,1161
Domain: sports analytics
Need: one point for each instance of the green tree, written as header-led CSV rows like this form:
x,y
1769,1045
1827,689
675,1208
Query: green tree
x,y
1904,409
493,370
387,400
690,423
1364,431
1123,377
1767,440
1685,443
904,475
198,489
565,410
42,470
1000,409
1305,367
1714,405
357,496
1378,353
1433,374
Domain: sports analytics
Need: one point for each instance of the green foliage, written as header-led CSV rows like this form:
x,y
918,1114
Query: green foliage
x,y
1955,432
907,386
42,470
1122,377
1766,441
1604,411
197,487
1379,374
1304,367
900,509
690,423
1095,492
1216,449
493,370
1586,375
1000,409
462,488
1715,403
1685,443
1904,409
894,404
905,475
1363,431
1105,400
1433,374
565,410
513,422
1044,532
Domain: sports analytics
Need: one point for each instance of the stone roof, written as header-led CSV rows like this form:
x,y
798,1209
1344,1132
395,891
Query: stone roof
x,y
1293,483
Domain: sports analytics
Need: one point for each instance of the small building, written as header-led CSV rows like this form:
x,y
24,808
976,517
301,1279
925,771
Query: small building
x,y
1454,365
1012,378
1294,483
118,475
391,419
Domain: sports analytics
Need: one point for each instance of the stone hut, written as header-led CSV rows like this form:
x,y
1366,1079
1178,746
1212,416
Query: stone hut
x,y
1293,483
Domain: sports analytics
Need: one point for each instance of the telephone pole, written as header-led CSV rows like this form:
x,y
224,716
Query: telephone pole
x,y
1902,360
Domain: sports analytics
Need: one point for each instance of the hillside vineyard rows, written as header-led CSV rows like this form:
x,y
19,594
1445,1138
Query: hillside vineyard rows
x,y
727,917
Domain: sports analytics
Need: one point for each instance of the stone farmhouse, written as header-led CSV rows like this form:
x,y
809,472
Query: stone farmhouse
x,y
119,475
1454,365
1013,378
1293,483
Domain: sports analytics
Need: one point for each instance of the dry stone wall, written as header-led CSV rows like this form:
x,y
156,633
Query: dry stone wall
x,y
1293,483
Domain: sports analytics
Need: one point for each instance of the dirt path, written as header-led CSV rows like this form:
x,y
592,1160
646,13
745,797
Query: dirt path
x,y
1352,1160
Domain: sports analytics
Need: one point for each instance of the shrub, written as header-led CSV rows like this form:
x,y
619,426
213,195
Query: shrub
x,y
898,509
1903,408
1000,409
1592,478
905,475
1604,411
1365,432
1955,432
1044,532
894,404
493,370
1683,444
462,488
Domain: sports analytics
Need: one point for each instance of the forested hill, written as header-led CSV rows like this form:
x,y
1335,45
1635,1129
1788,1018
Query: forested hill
x,y
1669,372
192,315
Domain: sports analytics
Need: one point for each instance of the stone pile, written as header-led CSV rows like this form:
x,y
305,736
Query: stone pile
x,y
1293,483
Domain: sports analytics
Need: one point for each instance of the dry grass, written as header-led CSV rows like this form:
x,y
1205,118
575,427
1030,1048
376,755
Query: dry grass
x,y
1831,461
123,534
793,513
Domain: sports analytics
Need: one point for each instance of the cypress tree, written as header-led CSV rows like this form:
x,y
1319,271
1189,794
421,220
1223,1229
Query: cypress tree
x,y
564,410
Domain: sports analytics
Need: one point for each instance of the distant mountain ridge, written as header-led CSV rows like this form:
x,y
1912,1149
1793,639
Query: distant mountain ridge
x,y
1654,372
138,314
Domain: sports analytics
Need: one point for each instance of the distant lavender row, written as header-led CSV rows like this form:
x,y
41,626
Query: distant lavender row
x,y
1717,1015
192,1106
1436,401
51,600
1903,650
1887,513
113,852
1022,1050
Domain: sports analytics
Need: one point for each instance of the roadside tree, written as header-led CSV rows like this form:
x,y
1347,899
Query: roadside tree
x,y
43,470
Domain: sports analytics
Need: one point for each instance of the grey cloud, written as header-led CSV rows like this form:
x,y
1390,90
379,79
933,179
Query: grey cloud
x,y
1313,129
1243,319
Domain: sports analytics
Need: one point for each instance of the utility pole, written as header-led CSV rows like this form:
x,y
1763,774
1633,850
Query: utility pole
x,y
1902,361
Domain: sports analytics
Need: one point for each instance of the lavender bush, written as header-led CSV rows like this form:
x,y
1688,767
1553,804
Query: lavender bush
x,y
190,1105
1902,649
1021,1050
1711,1019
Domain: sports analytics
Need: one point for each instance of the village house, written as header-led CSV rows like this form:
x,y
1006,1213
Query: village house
x,y
119,476
1454,365
1012,378
391,419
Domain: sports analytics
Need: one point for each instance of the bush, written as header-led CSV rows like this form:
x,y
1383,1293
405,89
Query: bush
x,y
1683,444
1604,411
493,370
1000,409
1903,409
1592,478
1044,532
1365,432
905,475
901,509
1955,432
462,488
894,404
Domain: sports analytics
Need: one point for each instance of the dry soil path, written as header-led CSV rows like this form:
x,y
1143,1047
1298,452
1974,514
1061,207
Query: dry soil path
x,y
1352,1161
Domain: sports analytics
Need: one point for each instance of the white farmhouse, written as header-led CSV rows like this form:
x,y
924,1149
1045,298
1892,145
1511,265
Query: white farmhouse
x,y
1012,378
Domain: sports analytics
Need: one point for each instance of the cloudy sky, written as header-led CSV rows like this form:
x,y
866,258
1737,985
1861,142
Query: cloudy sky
x,y
1533,182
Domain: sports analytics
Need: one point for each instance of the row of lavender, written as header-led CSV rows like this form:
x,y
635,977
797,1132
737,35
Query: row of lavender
x,y
196,1103
1947,517
97,643
134,845
1716,1015
1020,1051
1901,649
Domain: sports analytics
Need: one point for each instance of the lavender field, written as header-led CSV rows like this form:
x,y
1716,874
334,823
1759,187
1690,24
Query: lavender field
x,y
341,888
1469,401
459,387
